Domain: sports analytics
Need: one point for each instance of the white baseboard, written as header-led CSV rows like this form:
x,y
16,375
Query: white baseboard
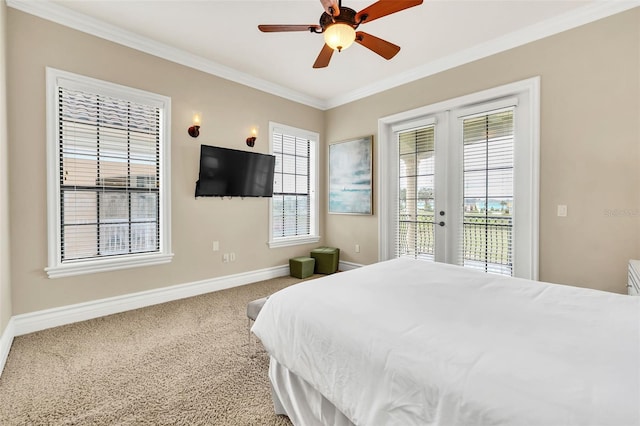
x,y
49,318
347,266
54,317
6,339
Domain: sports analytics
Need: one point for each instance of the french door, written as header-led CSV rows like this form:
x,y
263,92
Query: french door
x,y
464,186
475,222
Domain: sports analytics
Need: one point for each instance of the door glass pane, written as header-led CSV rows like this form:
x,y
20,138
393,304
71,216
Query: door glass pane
x,y
415,230
488,192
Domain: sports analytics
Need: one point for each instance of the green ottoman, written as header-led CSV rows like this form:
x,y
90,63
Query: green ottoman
x,y
327,259
301,267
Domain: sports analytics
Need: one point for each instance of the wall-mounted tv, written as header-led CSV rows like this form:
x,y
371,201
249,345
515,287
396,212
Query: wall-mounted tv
x,y
226,172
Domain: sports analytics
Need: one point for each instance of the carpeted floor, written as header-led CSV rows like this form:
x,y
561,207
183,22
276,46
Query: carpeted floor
x,y
179,363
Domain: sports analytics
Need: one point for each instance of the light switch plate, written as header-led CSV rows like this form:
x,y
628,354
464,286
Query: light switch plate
x,y
562,210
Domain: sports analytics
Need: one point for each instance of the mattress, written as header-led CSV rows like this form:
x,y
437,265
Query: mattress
x,y
411,342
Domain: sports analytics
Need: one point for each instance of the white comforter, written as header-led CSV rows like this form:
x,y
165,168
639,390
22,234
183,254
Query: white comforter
x,y
408,342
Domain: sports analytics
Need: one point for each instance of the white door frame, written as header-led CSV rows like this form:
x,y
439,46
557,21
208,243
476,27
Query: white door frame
x,y
526,161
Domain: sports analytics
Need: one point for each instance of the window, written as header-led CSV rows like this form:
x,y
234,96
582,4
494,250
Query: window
x,y
294,206
108,176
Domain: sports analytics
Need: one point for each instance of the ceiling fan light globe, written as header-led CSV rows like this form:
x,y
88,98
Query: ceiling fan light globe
x,y
339,36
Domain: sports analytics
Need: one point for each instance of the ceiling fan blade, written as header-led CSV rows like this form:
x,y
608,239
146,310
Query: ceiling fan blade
x,y
281,28
383,8
324,57
382,47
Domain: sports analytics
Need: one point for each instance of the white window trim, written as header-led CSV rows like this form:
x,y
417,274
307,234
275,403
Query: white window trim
x,y
56,268
314,232
527,163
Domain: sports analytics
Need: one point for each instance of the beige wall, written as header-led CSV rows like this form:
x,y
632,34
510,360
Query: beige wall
x,y
5,283
589,143
228,110
590,137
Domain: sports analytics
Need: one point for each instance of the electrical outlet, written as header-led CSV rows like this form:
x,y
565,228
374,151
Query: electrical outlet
x,y
357,248
225,258
232,257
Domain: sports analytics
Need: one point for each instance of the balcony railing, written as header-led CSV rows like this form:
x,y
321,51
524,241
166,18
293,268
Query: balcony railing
x,y
486,241
416,235
114,238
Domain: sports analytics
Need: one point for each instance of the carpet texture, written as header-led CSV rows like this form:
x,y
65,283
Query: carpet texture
x,y
185,362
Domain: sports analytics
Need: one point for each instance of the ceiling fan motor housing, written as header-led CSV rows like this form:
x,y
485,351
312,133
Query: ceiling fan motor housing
x,y
347,16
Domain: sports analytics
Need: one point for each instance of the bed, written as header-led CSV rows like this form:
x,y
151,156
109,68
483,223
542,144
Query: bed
x,y
412,342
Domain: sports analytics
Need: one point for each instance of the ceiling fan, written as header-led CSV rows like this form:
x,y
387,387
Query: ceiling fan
x,y
339,24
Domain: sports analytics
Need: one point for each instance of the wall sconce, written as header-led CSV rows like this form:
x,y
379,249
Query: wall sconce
x,y
194,131
251,140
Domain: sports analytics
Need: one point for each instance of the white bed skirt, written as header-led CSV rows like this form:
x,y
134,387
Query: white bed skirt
x,y
301,402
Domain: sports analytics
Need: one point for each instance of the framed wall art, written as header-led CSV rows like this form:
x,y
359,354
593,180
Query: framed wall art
x,y
351,176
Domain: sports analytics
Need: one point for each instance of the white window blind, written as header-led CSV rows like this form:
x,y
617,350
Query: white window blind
x,y
416,171
488,170
109,176
108,201
293,186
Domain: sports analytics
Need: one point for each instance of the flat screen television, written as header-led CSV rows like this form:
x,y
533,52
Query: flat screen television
x,y
226,172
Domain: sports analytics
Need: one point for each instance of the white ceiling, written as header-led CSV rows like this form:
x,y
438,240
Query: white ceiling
x,y
221,37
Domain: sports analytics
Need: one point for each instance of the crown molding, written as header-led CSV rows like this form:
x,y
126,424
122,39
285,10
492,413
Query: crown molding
x,y
567,21
69,18
61,15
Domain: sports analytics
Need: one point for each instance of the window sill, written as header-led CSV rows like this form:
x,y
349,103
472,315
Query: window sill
x,y
293,241
105,265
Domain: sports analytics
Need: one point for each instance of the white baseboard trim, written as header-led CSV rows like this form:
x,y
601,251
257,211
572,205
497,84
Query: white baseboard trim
x,y
54,317
347,266
6,339
49,318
